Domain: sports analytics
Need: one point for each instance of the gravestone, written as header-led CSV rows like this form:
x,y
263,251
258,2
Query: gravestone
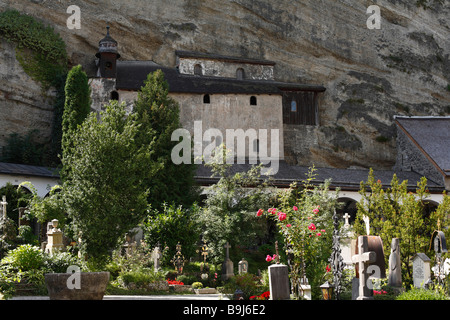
x,y
243,266
156,257
421,270
362,259
279,286
227,266
4,203
439,245
395,268
54,238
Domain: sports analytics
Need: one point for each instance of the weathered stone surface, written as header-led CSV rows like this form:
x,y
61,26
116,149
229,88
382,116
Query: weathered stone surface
x,y
370,75
92,286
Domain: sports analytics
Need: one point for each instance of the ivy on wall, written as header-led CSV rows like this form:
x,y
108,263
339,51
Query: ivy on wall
x,y
42,54
40,51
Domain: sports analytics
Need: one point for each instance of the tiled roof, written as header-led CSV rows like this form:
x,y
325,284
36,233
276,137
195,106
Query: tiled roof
x,y
345,179
131,76
27,170
432,136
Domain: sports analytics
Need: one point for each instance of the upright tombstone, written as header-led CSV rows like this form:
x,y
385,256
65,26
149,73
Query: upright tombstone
x,y
362,259
439,245
279,280
421,270
54,238
243,266
178,259
346,241
227,266
395,268
156,257
4,203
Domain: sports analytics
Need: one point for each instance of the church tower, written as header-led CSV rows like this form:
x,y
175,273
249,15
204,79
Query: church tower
x,y
107,55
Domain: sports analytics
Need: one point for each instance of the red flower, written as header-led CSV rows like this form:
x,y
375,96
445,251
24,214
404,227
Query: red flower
x,y
318,234
294,208
312,227
259,213
281,216
289,225
268,258
328,269
175,282
316,210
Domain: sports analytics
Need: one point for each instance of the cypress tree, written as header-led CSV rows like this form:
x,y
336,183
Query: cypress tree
x,y
158,115
76,108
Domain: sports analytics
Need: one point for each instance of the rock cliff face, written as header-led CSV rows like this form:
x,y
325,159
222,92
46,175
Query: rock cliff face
x,y
370,74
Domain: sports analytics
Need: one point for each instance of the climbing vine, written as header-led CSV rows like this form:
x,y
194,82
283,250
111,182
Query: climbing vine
x,y
40,50
42,54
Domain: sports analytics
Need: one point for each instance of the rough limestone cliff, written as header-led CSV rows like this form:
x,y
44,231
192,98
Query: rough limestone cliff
x,y
370,74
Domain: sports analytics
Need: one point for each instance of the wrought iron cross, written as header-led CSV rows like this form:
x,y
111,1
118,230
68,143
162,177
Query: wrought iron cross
x,y
276,252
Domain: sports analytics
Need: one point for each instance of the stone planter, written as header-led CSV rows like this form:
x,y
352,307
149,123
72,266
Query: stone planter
x,y
92,286
205,291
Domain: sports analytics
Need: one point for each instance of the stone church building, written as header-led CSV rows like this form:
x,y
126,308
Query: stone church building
x,y
226,92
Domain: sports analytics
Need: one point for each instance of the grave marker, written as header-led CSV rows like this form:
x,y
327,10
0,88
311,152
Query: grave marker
x,y
279,279
395,267
362,259
227,266
421,270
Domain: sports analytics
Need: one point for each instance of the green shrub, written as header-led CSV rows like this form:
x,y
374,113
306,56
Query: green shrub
x,y
60,261
422,294
197,285
187,279
25,258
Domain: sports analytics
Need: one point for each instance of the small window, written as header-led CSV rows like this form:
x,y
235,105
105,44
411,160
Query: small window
x,y
240,74
293,106
253,101
206,98
198,70
114,95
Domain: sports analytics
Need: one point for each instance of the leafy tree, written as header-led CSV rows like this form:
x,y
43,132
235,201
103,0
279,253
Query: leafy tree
x,y
396,213
170,225
105,192
76,108
158,114
229,211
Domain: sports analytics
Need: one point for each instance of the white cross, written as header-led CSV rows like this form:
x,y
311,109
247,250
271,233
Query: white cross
x,y
346,217
366,221
4,203
361,259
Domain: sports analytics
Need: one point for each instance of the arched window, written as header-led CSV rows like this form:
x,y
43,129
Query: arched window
x,y
253,101
293,106
198,70
114,95
240,74
206,98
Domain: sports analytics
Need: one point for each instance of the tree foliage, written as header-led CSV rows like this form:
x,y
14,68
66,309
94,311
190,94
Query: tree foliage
x,y
394,212
76,107
158,114
228,214
105,192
